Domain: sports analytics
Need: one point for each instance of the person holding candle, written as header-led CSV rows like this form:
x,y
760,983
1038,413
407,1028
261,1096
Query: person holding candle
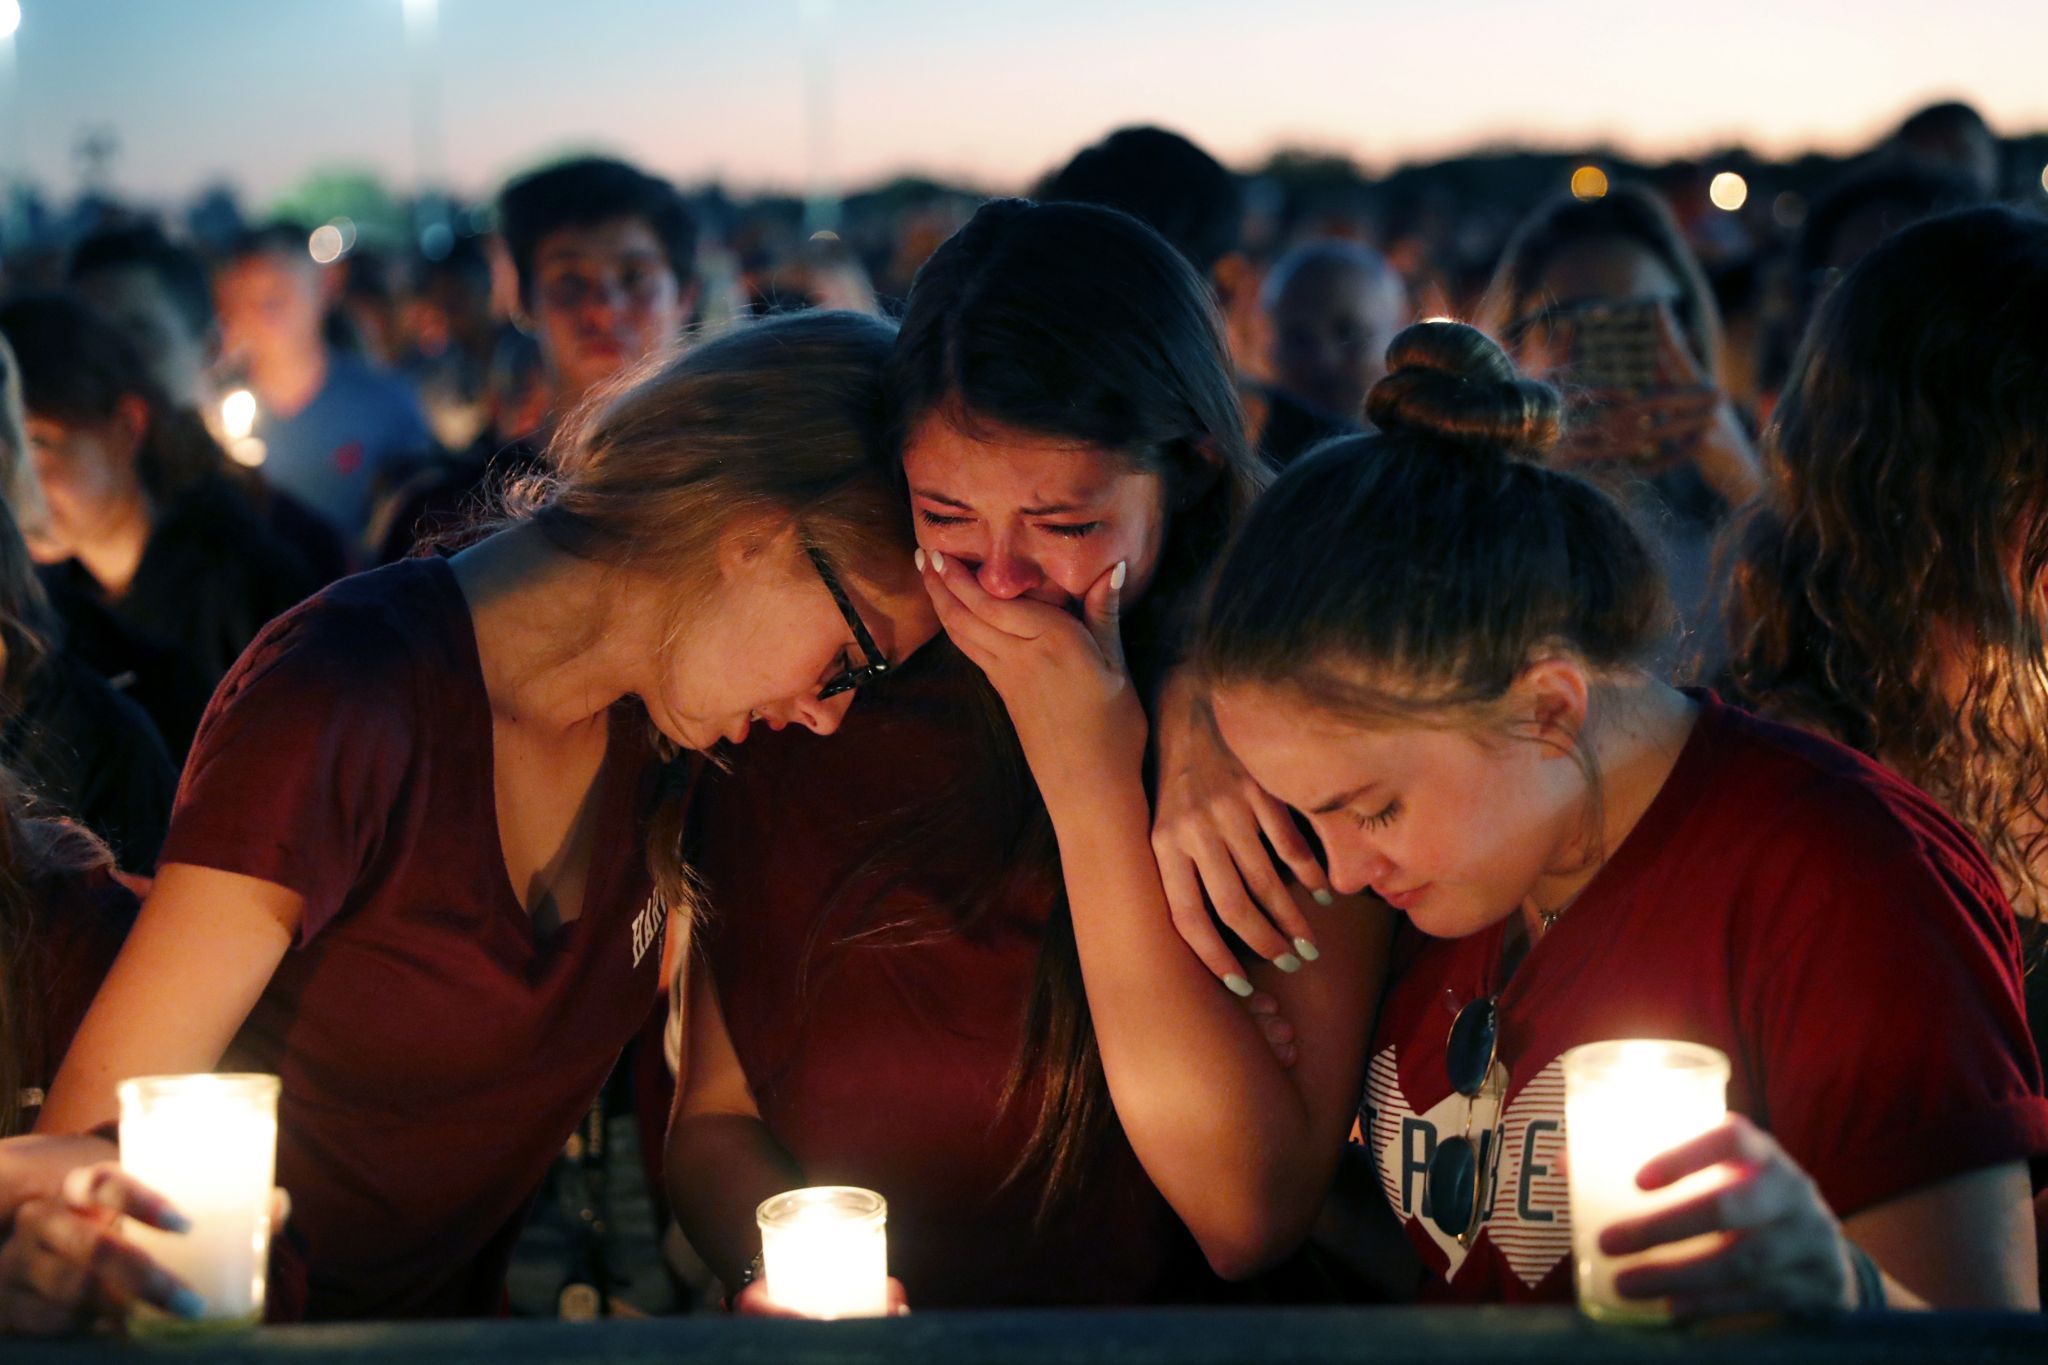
x,y
426,850
1430,644
893,1003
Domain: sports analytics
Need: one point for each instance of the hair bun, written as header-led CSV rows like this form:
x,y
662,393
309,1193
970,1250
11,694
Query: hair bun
x,y
1453,383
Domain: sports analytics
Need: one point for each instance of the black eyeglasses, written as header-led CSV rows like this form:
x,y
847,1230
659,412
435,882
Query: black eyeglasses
x,y
855,675
1461,1173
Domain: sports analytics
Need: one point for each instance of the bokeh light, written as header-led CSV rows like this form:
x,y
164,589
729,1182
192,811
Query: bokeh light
x,y
1729,191
1589,182
1788,210
10,18
249,452
2044,180
238,414
326,244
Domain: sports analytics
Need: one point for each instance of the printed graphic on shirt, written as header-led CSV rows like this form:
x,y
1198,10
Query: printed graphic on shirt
x,y
648,927
1528,1219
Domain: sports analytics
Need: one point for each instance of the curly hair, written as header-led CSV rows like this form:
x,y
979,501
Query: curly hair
x,y
1888,586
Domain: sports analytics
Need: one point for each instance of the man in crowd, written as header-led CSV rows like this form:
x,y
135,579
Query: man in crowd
x,y
1186,195
1333,307
604,264
332,427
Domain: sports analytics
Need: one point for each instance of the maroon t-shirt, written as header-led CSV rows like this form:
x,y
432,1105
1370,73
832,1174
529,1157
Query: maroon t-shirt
x,y
879,1059
1784,900
77,923
434,1055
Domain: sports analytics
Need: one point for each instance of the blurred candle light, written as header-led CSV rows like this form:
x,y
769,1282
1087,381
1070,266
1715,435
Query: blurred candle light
x,y
325,244
1626,1102
1729,191
825,1251
1589,182
238,414
208,1144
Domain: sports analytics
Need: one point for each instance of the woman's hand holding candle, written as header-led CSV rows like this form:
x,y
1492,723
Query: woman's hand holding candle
x,y
65,1266
1783,1251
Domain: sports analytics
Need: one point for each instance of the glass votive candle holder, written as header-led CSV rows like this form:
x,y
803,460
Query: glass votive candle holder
x,y
208,1144
825,1251
1626,1102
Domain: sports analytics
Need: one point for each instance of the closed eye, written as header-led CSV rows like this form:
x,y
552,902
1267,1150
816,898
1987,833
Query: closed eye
x,y
1077,530
934,519
1381,818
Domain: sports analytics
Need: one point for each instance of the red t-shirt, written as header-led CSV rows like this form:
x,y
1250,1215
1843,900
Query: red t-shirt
x,y
879,1060
434,1056
1782,899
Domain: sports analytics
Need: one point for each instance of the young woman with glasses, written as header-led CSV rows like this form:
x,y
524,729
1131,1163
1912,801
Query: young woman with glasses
x,y
427,846
1430,645
892,1000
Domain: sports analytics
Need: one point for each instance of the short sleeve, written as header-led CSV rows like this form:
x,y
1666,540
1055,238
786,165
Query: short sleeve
x,y
301,761
1889,1031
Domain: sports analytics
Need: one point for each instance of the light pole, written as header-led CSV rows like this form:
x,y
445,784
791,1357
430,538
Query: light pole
x,y
821,200
13,157
423,58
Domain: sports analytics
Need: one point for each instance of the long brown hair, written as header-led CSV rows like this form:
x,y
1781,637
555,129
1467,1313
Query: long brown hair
x,y
1888,584
779,420
1077,322
77,367
33,853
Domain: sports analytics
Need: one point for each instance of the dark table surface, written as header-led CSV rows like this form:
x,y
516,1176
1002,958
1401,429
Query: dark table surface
x,y
1378,1335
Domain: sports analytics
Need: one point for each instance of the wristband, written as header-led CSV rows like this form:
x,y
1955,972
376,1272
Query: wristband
x,y
1869,1280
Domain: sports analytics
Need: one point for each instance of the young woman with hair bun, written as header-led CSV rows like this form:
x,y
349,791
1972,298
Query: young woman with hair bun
x,y
1429,643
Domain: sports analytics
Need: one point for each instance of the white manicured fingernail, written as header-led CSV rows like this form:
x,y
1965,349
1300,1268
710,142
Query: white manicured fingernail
x,y
918,558
1287,962
1238,985
1117,575
1309,952
1322,897
938,562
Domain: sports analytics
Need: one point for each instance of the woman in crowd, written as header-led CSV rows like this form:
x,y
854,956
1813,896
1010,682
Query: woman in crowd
x,y
894,1002
82,748
1432,645
1888,586
1604,298
425,850
144,523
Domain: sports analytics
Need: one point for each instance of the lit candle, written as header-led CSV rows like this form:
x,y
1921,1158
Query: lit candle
x,y
208,1144
825,1251
1624,1103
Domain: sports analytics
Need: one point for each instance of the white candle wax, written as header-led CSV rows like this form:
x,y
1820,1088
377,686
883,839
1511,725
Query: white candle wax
x,y
208,1144
825,1251
1624,1103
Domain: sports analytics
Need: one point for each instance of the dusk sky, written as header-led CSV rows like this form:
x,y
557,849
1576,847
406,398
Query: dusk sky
x,y
261,92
